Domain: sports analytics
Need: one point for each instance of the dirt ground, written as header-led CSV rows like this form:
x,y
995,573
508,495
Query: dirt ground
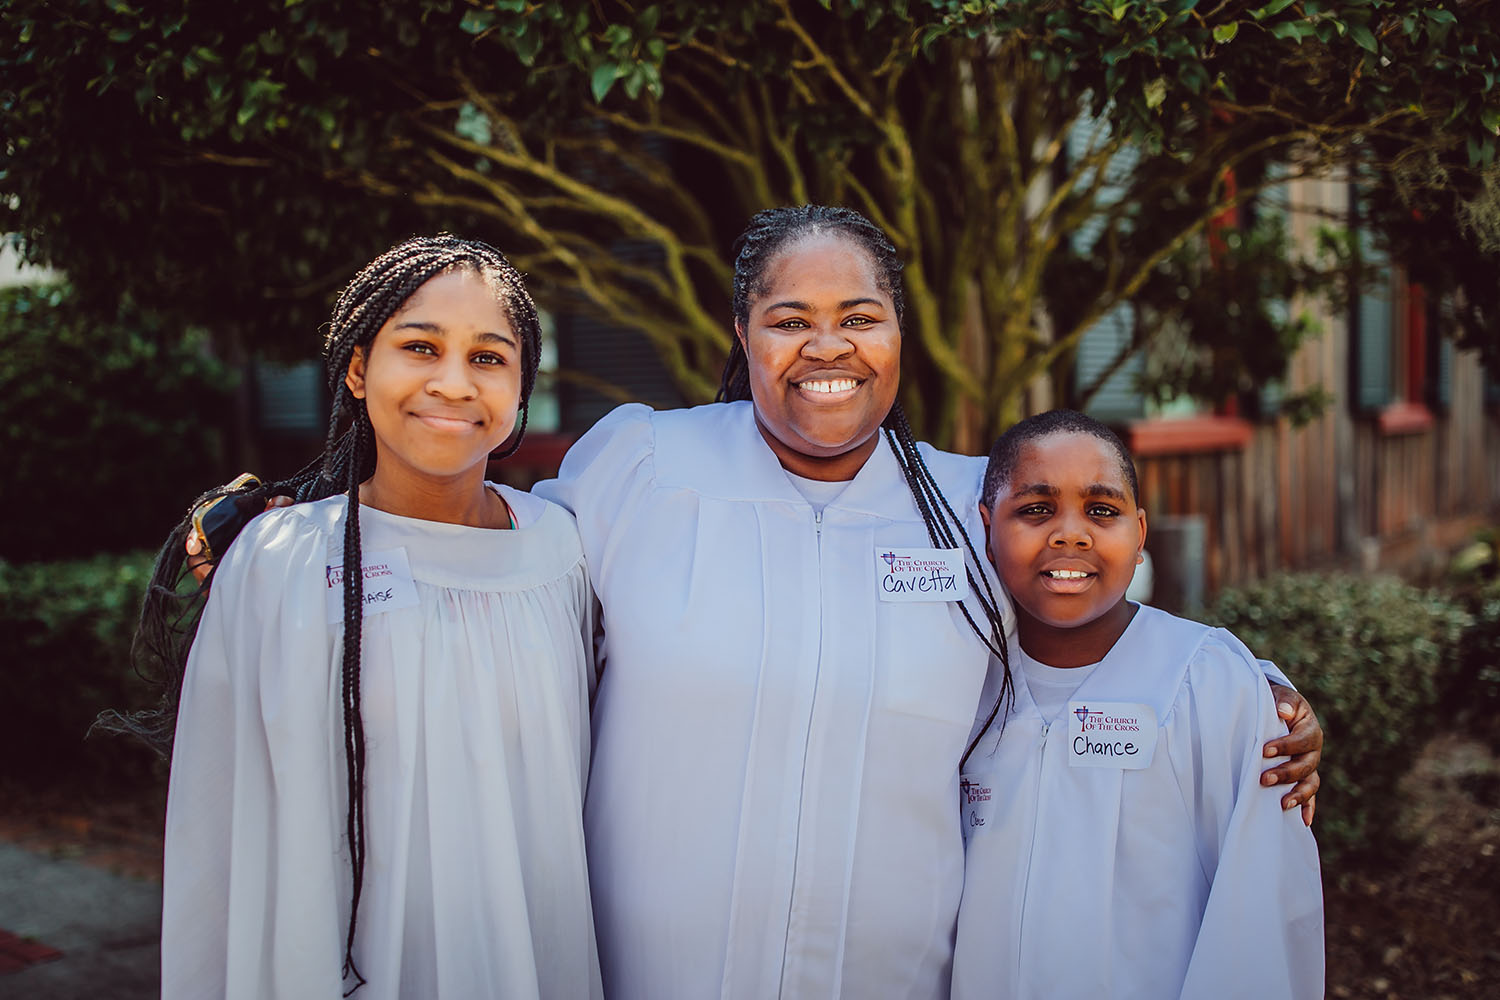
x,y
1425,926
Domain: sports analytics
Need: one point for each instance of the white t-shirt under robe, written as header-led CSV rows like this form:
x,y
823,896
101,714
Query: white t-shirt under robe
x,y
475,709
771,808
1184,878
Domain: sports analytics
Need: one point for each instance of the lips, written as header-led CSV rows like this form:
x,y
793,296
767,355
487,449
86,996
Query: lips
x,y
1067,579
447,422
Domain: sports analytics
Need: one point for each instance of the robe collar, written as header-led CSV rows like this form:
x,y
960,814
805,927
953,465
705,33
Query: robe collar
x,y
716,450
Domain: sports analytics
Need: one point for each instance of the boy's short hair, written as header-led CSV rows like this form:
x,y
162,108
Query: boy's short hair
x,y
1007,449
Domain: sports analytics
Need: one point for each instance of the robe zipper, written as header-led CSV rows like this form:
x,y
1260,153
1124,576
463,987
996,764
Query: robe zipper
x,y
1031,851
786,940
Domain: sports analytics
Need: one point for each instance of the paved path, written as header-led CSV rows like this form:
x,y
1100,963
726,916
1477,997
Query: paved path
x,y
106,926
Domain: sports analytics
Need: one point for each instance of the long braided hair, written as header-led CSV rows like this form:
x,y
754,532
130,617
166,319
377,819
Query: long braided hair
x,y
768,233
171,609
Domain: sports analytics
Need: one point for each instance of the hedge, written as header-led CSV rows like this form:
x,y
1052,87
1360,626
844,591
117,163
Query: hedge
x,y
1374,656
66,629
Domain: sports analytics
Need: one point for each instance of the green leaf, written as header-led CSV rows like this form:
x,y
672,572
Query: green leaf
x,y
604,77
1225,32
1271,9
1156,92
477,22
1490,119
1441,16
1363,37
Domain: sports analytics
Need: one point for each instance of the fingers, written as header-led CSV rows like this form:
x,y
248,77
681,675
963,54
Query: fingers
x,y
1290,771
1303,795
196,563
279,502
1305,736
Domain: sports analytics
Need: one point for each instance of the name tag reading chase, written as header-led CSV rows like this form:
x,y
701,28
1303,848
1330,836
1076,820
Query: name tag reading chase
x,y
921,574
1111,734
387,584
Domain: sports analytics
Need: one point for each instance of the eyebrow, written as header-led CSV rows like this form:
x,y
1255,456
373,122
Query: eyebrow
x,y
1048,490
437,330
846,304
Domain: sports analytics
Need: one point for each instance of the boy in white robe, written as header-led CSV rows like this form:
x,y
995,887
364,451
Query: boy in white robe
x,y
1118,843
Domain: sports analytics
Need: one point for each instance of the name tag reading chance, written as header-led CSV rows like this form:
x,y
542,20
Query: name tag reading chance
x,y
387,584
921,574
1111,734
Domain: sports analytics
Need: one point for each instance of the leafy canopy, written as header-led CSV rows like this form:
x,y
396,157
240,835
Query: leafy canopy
x,y
234,164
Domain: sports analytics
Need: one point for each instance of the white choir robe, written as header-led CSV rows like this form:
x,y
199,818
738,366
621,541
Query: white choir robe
x,y
1185,878
771,806
475,705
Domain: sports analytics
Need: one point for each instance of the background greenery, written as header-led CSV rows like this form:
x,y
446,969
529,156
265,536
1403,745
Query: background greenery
x,y
108,426
68,627
1376,657
231,164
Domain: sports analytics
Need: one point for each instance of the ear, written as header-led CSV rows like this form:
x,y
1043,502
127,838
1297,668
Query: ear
x,y
984,515
1141,513
739,333
354,378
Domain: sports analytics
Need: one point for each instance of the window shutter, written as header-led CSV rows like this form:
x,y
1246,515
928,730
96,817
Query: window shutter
x,y
291,398
616,355
1370,327
1118,399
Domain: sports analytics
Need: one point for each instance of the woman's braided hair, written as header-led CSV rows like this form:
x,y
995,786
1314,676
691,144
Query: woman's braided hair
x,y
170,612
769,233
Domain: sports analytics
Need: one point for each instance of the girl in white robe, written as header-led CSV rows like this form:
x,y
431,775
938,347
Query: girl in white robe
x,y
391,801
1118,841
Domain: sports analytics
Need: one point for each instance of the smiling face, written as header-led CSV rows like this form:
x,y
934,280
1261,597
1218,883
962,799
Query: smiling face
x,y
441,382
824,350
1065,535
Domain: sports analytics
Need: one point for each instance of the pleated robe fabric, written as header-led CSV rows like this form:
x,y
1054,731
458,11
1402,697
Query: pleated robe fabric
x,y
1184,879
772,808
475,707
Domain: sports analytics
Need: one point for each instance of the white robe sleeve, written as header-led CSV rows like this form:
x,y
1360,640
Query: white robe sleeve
x,y
1262,928
251,893
606,472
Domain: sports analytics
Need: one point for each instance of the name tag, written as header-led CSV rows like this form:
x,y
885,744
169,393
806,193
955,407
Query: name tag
x,y
387,584
974,798
921,574
1111,734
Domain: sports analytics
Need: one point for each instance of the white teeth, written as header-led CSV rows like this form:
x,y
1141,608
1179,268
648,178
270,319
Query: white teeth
x,y
829,385
1066,574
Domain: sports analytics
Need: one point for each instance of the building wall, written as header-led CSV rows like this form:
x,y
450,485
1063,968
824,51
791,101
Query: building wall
x,y
1394,488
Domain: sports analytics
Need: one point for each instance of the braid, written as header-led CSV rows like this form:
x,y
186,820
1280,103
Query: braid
x,y
767,235
945,530
354,729
170,612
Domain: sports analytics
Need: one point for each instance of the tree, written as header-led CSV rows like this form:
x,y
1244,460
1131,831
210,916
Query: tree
x,y
613,149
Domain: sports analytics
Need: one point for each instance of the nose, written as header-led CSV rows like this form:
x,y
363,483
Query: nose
x,y
450,378
1072,530
827,342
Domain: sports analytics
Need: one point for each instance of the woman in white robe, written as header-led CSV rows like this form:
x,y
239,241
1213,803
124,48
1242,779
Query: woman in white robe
x,y
382,743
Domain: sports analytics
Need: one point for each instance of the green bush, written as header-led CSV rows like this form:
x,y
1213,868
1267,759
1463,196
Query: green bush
x,y
108,429
66,629
1471,696
1373,656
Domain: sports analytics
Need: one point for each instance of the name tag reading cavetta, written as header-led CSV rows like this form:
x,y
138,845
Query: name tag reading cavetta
x,y
387,584
921,574
1111,734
